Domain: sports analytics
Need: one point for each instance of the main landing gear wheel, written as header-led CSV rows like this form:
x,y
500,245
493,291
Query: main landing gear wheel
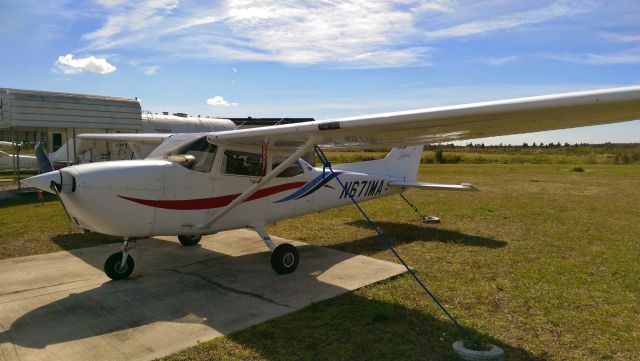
x,y
190,240
115,269
285,258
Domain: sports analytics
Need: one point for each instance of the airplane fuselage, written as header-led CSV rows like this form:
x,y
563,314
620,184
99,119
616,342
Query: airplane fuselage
x,y
158,197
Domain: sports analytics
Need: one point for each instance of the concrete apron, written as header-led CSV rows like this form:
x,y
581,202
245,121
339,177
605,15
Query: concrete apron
x,y
61,306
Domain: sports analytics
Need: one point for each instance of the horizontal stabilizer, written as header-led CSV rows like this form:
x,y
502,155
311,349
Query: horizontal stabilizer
x,y
435,186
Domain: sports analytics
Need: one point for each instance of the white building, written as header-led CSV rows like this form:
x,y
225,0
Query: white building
x,y
54,119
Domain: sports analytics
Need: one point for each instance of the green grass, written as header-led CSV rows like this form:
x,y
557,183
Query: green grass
x,y
30,226
544,262
23,174
577,155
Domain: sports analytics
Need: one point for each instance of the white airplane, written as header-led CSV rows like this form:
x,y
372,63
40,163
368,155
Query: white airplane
x,y
7,160
196,184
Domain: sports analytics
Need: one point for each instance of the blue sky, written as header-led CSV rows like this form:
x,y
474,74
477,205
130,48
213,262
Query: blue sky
x,y
323,59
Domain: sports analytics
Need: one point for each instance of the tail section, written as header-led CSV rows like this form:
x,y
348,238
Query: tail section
x,y
44,164
401,163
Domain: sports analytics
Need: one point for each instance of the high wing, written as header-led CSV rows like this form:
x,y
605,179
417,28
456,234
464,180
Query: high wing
x,y
449,123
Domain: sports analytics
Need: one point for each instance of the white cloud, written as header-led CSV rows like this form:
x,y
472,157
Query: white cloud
x,y
499,60
111,3
151,70
341,34
631,56
68,65
352,33
508,21
219,101
135,17
623,38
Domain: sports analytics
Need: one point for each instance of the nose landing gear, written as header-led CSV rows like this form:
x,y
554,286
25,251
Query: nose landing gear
x,y
120,264
189,240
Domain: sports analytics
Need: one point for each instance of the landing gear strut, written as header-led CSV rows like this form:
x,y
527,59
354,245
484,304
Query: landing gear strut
x,y
120,264
284,257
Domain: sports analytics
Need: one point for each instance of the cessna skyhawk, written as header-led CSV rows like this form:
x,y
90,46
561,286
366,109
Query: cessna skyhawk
x,y
203,183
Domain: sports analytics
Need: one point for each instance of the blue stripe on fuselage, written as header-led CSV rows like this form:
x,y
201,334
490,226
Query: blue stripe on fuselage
x,y
309,187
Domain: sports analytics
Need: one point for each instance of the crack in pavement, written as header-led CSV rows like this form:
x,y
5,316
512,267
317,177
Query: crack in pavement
x,y
48,286
227,288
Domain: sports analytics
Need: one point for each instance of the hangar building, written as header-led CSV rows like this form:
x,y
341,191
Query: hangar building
x,y
53,118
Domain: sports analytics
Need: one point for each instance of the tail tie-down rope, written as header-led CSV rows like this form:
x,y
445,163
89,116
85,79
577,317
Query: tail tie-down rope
x,y
327,165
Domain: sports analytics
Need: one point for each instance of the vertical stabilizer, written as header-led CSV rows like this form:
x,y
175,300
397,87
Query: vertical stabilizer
x,y
400,163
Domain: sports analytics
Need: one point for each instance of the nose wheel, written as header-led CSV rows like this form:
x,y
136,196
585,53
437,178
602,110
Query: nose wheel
x,y
120,264
189,240
284,257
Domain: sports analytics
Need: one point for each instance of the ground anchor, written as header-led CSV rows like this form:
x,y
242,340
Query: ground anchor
x,y
494,352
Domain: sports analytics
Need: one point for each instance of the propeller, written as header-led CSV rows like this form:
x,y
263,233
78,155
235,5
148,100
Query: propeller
x,y
44,164
47,177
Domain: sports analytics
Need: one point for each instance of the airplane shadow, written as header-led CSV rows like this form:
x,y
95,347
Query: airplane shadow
x,y
403,233
69,241
352,327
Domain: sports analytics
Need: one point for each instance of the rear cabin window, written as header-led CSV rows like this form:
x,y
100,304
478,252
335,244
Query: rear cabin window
x,y
241,163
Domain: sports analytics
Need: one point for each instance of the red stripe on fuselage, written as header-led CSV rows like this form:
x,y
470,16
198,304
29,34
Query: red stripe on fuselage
x,y
214,202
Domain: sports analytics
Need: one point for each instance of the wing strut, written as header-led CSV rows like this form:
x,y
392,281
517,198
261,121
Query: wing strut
x,y
266,179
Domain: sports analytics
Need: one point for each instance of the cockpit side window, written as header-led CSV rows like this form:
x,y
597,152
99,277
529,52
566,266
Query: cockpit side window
x,y
205,155
293,170
195,154
241,163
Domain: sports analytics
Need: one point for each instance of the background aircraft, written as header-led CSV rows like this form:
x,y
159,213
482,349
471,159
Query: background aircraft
x,y
7,160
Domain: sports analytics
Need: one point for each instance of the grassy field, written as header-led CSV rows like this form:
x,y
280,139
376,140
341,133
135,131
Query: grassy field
x,y
23,174
30,226
544,262
578,154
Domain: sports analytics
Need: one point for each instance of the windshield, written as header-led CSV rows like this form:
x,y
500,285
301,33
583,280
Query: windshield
x,y
194,153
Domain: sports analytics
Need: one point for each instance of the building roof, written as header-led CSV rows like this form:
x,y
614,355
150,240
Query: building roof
x,y
22,108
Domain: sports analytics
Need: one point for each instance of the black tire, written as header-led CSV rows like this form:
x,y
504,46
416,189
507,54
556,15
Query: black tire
x,y
285,258
189,240
113,266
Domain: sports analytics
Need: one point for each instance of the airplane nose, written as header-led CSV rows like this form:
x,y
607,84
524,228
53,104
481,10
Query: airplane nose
x,y
43,181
